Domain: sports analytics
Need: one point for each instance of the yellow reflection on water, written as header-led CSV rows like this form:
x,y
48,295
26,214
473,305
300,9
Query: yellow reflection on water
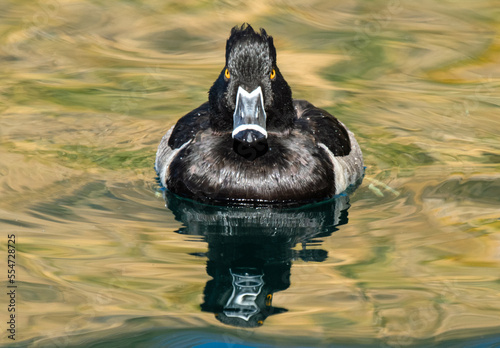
x,y
89,88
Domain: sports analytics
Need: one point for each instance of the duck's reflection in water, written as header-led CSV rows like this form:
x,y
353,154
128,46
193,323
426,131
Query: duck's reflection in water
x,y
250,251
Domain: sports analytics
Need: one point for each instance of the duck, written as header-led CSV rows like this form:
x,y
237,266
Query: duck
x,y
252,143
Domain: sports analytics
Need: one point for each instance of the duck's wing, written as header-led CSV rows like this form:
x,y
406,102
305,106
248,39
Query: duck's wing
x,y
178,137
338,142
325,128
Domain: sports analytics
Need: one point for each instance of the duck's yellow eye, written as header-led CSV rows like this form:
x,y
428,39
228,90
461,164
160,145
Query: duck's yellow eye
x,y
269,297
273,74
227,74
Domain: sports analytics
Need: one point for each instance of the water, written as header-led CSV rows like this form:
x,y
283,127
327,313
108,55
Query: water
x,y
411,258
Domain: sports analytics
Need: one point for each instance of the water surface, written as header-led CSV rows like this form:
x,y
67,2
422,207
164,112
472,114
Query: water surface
x,y
410,258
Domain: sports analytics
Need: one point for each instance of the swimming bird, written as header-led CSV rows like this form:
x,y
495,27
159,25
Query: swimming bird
x,y
252,143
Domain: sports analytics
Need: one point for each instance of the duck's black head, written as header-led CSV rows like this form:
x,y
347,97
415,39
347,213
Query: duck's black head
x,y
250,98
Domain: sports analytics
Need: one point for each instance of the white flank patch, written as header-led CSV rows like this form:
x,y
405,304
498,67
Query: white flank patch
x,y
165,156
346,169
338,171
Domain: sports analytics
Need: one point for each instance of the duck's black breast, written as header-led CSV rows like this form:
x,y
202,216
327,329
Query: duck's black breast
x,y
293,169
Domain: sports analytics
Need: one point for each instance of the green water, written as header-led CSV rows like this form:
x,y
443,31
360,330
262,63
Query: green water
x,y
90,87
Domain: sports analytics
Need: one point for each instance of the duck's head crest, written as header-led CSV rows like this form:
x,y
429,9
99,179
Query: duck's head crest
x,y
243,40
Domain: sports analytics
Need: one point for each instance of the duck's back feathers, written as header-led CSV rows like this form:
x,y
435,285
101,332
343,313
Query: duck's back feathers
x,y
188,126
178,137
336,141
325,128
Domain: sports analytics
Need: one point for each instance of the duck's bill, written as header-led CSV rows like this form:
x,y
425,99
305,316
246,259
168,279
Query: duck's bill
x,y
249,118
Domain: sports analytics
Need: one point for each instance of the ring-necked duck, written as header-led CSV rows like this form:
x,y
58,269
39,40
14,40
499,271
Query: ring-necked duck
x,y
252,143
